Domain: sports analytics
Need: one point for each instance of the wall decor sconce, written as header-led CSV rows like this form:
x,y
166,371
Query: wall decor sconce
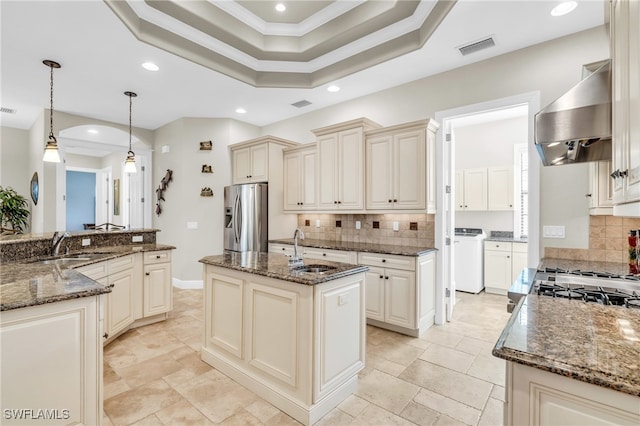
x,y
206,145
164,184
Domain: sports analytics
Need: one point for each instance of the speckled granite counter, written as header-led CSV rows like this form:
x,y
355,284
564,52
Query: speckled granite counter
x,y
584,265
508,240
31,282
584,341
363,247
276,266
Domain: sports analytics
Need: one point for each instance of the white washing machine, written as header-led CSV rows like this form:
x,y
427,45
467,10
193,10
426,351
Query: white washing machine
x,y
469,259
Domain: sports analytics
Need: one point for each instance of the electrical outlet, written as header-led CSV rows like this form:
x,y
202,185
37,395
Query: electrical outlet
x,y
137,239
317,223
86,242
357,224
396,226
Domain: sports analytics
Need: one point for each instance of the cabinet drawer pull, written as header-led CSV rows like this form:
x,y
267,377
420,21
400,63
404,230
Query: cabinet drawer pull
x,y
147,273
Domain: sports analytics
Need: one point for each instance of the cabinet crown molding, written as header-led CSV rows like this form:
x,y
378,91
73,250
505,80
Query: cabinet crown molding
x,y
428,123
301,147
363,122
263,139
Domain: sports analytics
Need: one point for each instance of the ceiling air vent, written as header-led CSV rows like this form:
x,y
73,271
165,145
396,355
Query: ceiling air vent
x,y
8,110
477,45
301,104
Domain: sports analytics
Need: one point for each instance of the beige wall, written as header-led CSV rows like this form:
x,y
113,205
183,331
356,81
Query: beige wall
x,y
14,160
183,202
550,68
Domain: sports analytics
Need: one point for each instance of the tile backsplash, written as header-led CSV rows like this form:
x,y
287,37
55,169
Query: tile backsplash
x,y
414,229
607,240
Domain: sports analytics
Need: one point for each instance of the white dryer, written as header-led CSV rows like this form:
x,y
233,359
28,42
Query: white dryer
x,y
469,259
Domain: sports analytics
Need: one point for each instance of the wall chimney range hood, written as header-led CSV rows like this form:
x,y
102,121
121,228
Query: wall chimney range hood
x,y
576,127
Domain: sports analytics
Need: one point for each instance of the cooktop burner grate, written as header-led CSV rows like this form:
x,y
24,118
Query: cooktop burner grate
x,y
593,294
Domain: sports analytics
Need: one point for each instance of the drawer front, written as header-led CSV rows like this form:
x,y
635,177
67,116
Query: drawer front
x,y
407,263
159,256
330,255
497,246
95,271
121,263
281,248
520,247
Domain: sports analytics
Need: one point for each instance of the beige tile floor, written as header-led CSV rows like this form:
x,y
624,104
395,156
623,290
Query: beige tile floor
x,y
153,375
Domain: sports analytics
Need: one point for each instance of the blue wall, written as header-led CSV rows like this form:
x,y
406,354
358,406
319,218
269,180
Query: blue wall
x,y
81,199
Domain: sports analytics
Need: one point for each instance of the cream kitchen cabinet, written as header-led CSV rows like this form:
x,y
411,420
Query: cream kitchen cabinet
x,y
157,285
52,361
286,249
535,396
600,193
625,54
397,167
341,165
300,183
251,164
400,291
500,188
503,262
471,189
331,255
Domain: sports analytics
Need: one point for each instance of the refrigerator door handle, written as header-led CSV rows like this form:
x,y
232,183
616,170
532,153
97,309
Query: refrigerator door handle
x,y
237,222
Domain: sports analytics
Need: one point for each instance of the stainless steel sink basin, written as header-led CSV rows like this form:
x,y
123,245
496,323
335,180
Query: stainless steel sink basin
x,y
64,260
314,269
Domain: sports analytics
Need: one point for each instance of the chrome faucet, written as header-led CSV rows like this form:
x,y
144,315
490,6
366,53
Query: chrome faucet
x,y
55,242
296,260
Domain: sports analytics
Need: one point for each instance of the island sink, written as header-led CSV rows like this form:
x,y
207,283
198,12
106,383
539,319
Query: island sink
x,y
314,269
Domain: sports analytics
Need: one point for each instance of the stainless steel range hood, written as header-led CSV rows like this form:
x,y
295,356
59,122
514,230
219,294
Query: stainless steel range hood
x,y
576,127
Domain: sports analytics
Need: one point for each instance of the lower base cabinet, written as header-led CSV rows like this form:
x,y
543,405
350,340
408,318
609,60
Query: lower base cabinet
x,y
52,363
503,262
299,347
537,397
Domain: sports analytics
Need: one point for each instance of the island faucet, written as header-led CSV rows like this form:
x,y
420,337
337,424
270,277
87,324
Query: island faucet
x,y
55,242
296,260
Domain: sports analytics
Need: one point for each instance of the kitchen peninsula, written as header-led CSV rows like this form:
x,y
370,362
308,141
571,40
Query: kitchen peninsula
x,y
57,311
294,335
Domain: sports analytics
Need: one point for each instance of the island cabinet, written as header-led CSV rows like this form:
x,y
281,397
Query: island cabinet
x,y
400,167
157,286
625,57
331,255
537,397
300,183
400,291
52,363
297,346
341,164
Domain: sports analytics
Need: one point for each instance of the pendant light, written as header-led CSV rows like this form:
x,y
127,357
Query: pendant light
x,y
51,154
130,162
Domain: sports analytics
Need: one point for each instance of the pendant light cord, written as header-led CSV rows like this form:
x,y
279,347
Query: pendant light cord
x,y
130,101
51,107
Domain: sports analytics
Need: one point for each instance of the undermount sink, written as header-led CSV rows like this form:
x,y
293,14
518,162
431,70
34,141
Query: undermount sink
x,y
314,269
63,260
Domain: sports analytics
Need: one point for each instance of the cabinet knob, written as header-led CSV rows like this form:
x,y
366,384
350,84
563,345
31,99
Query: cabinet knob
x,y
339,202
381,276
587,195
105,335
386,278
389,200
112,285
510,205
395,201
147,273
324,254
158,256
384,260
465,206
283,249
335,202
624,173
508,257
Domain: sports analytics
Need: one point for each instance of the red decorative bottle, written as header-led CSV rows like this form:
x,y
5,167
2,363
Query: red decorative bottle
x,y
633,252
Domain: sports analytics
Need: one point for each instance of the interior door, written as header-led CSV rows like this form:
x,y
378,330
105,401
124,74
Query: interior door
x,y
449,220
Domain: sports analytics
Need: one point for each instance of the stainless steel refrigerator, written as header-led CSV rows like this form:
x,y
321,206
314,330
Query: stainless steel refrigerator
x,y
245,218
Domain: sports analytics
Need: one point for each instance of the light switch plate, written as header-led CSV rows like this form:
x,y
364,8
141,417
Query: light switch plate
x,y
137,239
396,226
357,224
86,242
192,225
317,223
552,231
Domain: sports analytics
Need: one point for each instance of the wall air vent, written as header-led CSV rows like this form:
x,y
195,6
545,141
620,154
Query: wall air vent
x,y
477,45
301,104
8,110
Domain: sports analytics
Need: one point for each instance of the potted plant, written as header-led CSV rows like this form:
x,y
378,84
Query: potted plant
x,y
13,211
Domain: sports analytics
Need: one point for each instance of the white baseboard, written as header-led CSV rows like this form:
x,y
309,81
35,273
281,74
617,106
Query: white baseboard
x,y
188,284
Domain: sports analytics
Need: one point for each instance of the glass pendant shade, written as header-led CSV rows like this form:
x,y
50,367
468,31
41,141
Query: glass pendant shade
x,y
130,163
51,154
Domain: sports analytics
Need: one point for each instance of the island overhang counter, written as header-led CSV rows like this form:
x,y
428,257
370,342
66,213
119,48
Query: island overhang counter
x,y
295,338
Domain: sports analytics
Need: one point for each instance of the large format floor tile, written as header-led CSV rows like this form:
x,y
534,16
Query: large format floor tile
x,y
153,375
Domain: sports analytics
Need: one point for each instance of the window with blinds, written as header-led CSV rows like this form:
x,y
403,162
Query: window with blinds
x,y
521,191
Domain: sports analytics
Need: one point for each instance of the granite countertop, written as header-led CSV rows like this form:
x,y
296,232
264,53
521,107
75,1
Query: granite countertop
x,y
616,268
363,247
508,239
31,282
276,266
585,341
47,235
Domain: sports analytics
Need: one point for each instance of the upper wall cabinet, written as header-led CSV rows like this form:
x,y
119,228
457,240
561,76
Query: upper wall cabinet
x,y
600,193
300,183
254,160
471,189
500,188
625,54
341,163
400,167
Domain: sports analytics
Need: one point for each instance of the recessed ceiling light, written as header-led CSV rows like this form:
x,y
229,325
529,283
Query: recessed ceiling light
x,y
94,131
564,8
333,88
280,7
241,110
150,66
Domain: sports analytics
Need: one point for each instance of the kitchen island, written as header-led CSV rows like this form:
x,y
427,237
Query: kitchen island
x,y
570,362
294,336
